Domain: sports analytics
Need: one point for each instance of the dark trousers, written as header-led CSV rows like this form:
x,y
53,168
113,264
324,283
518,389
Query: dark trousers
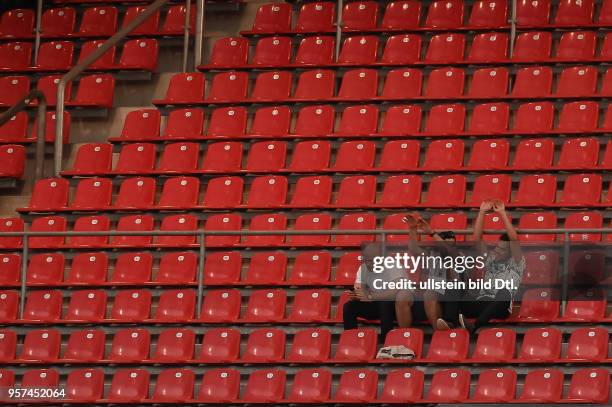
x,y
482,310
372,310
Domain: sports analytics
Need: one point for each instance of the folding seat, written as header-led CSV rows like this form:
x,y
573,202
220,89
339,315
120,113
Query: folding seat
x,y
141,124
130,345
539,305
220,385
179,158
265,345
272,52
40,379
409,337
219,222
359,120
272,18
228,87
356,191
542,385
359,84
316,17
584,220
184,88
445,120
104,63
10,264
14,88
12,158
489,47
311,306
445,83
575,13
266,156
9,305
355,156
402,84
313,121
402,120
449,386
532,82
220,345
88,269
404,386
489,83
174,23
148,27
54,56
605,13
537,220
11,225
489,118
48,195
357,386
15,56
131,305
399,155
140,223
449,345
87,306
266,306
360,16
136,158
401,15
315,85
176,306
579,153
265,386
98,22
266,268
315,51
358,50
272,86
139,55
396,222
356,345
41,345
578,117
489,155
85,346
58,22
229,52
185,124
223,157
495,345
532,46
541,267
445,14
310,156
135,193
444,155
92,159
310,345
222,268
315,221
133,268
577,46
177,268
266,223
495,386
90,224
489,14
445,49
43,306
400,191
541,344
223,192
187,223
311,385
85,385
17,23
129,386
15,129
95,90
581,189
179,193
589,307
402,49
589,385
267,192
310,268
47,224
271,121
577,81
174,385
8,346
221,306
534,117
48,86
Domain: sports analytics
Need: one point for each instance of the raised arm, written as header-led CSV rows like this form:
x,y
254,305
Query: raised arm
x,y
485,207
515,247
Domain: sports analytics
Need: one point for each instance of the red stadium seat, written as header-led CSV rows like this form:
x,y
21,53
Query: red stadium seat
x,y
15,56
401,15
445,48
11,225
17,23
541,344
315,85
272,86
12,158
54,56
95,91
90,224
88,269
148,27
581,189
402,120
445,83
401,191
129,386
48,86
584,220
578,117
579,153
220,345
222,268
9,306
444,155
316,17
311,385
541,267
489,14
223,157
404,386
272,51
184,88
221,306
179,193
356,191
399,155
272,18
489,118
11,269
310,345
401,49
220,386
355,156
449,386
489,47
98,22
267,192
265,345
45,269
315,221
577,46
85,345
229,52
489,155
44,306
585,308
357,345
223,192
48,195
535,117
40,379
449,221
87,306
266,306
495,345
445,120
537,220
359,84
176,306
58,22
589,385
130,345
311,306
542,385
315,51
315,121
15,129
105,62
136,158
446,191
14,89
271,121
575,13
310,156
265,386
578,81
360,15
140,223
532,46
534,154
532,82
228,87
489,82
359,50
605,13
539,305
133,268
85,385
93,159
402,84
179,158
136,193
131,305
267,268
310,268
174,385
445,14
41,345
187,223
47,224
449,345
495,386
139,54
408,337
266,156
357,386
230,222
184,123
141,124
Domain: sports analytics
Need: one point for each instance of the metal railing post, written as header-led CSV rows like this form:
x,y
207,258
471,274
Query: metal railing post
x,y
186,34
80,67
512,27
201,274
39,8
565,278
199,33
339,27
24,271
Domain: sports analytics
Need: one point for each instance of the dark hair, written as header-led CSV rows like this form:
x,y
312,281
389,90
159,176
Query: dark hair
x,y
447,235
504,237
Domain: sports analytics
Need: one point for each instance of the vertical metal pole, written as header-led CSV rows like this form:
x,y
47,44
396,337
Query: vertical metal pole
x,y
199,33
59,128
39,8
201,274
41,117
24,270
565,279
512,27
186,34
339,27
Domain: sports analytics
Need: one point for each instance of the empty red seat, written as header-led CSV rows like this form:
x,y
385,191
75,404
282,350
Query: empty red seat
x,y
266,268
93,159
48,195
267,156
174,385
445,14
445,48
95,91
403,385
360,50
105,62
141,124
578,117
85,345
445,120
43,306
315,51
9,306
265,386
223,192
401,15
184,123
58,22
131,305
577,46
444,155
229,222
449,386
179,158
220,345
358,121
581,189
359,84
272,18
147,27
266,306
310,345
357,386
54,56
90,224
130,345
48,86
220,386
11,269
495,345
272,51
271,121
584,220
311,385
311,268
229,52
47,224
575,13
489,47
538,220
316,17
315,85
449,345
446,191
489,14
87,306
229,87
98,22
15,129
129,386
489,154
401,191
88,269
315,221
11,225
139,55
535,117
495,386
223,157
176,306
539,305
534,154
272,86
136,158
315,121
12,159
355,156
542,385
140,223
85,385
309,156
180,193
402,120
578,81
402,84
489,82
489,118
400,155
356,345
15,56
14,88
541,344
311,306
267,192
40,379
133,268
360,16
17,23
579,153
266,223
41,345
445,83
532,82
487,187
532,46
188,223
265,345
356,191
184,88
222,268
590,385
136,193
401,49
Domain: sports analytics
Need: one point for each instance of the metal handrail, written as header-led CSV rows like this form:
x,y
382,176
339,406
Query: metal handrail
x,y
41,119
199,33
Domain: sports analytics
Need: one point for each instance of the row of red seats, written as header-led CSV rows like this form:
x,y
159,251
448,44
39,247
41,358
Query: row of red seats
x,y
12,161
405,49
99,21
15,130
363,121
358,191
137,55
267,345
405,15
588,385
224,306
282,268
350,156
403,83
